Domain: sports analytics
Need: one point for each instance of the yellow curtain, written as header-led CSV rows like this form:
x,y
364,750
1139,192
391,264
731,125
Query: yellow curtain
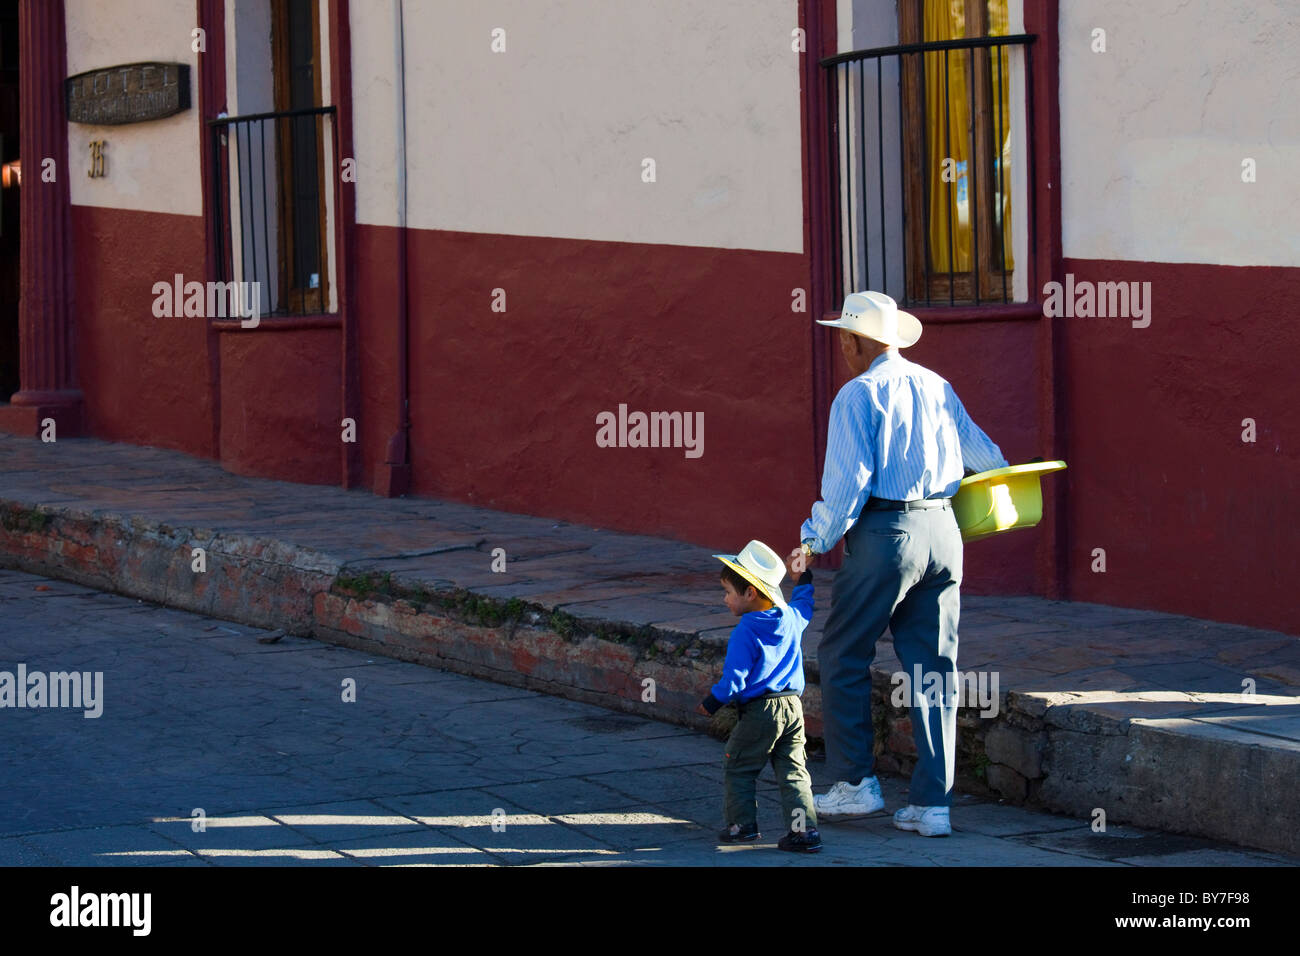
x,y
947,161
951,200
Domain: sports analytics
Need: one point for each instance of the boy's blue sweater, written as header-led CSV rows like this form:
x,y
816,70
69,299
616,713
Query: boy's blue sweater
x,y
765,651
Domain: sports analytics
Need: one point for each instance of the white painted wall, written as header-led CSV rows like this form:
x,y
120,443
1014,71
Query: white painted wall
x,y
1154,131
153,166
547,139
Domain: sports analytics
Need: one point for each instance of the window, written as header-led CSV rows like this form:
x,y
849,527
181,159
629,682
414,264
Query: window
x,y
929,157
295,38
271,194
960,111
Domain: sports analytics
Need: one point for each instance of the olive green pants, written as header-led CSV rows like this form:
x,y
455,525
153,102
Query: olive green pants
x,y
769,728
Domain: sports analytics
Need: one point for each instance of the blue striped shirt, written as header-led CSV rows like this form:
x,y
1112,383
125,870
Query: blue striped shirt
x,y
897,431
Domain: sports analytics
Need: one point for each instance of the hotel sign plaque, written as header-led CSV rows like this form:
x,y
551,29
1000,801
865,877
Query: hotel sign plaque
x,y
134,93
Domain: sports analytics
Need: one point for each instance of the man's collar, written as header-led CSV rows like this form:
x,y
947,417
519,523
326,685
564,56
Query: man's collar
x,y
883,357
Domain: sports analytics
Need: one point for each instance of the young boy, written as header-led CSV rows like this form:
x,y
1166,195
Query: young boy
x,y
763,677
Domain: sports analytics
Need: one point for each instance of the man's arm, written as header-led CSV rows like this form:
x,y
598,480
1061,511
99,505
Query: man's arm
x,y
846,478
978,452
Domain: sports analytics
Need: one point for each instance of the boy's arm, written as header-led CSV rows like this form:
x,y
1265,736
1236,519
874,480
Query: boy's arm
x,y
735,670
801,598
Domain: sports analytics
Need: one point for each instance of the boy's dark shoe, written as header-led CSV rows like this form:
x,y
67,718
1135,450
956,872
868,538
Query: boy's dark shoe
x,y
807,842
734,834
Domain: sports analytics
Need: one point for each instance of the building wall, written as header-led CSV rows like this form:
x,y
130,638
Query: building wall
x,y
530,186
693,316
1154,131
993,365
1153,134
154,166
145,379
1191,518
263,401
280,404
994,368
548,137
279,392
524,174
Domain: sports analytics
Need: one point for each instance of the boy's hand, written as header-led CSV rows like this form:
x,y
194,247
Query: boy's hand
x,y
797,562
699,709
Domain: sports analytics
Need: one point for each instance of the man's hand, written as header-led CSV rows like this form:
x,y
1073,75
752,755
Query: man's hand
x,y
797,562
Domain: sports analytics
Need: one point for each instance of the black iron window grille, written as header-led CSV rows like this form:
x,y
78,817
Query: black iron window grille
x,y
269,197
922,208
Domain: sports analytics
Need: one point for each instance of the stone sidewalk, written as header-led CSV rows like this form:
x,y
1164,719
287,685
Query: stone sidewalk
x,y
1139,713
197,713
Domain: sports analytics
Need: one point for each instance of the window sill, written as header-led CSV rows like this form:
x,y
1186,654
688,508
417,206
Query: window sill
x,y
288,323
994,312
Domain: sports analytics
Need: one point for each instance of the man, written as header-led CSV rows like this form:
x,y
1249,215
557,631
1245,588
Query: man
x,y
898,446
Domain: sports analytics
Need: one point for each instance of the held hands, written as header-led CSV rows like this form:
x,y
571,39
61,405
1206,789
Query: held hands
x,y
797,562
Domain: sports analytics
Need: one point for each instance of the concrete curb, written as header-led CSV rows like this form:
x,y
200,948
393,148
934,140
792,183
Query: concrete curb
x,y
1064,752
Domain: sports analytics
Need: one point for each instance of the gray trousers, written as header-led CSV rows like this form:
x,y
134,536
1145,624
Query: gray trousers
x,y
902,571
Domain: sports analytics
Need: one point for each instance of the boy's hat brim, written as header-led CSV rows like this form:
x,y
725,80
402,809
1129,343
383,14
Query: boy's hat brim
x,y
760,585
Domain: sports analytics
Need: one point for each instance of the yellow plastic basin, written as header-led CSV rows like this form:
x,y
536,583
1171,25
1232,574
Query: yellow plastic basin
x,y
1001,500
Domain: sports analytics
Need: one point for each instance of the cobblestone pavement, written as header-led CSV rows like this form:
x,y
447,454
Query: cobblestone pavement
x,y
197,713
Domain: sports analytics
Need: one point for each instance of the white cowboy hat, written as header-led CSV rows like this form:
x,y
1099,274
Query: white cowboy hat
x,y
877,316
760,566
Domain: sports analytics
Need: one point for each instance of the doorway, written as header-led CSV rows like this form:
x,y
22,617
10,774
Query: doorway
x,y
10,272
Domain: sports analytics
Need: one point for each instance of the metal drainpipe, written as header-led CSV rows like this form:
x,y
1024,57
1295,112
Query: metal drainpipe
x,y
398,457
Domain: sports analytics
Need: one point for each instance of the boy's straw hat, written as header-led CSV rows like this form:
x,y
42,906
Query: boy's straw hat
x,y
877,316
760,566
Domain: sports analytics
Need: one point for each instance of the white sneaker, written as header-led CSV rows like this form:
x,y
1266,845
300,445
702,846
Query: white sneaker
x,y
927,821
845,801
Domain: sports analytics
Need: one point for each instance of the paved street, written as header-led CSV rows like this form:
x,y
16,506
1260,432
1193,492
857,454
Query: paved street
x,y
197,713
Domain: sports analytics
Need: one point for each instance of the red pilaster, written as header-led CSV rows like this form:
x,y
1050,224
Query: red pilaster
x,y
212,102
340,40
818,18
819,21
47,356
1042,18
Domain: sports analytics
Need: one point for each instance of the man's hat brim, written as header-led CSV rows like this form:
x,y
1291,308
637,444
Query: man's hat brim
x,y
910,321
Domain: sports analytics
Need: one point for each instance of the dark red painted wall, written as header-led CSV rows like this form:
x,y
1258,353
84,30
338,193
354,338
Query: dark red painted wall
x,y
376,321
280,415
504,405
146,379
993,367
1192,519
